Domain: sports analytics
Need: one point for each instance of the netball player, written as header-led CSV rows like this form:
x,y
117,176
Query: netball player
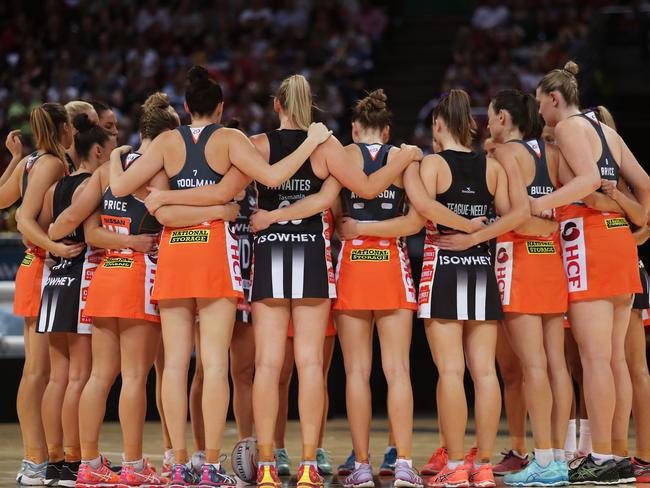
x,y
529,258
10,188
460,316
62,315
30,180
599,287
193,156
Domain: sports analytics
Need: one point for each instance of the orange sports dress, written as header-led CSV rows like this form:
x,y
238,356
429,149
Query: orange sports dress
x,y
201,261
374,273
599,251
529,269
33,270
122,284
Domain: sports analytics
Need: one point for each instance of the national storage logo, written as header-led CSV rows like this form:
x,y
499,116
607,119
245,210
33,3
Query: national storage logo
x,y
616,223
195,236
117,263
370,255
540,247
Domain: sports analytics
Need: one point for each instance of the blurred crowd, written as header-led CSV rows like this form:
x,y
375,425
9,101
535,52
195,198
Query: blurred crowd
x,y
120,51
512,44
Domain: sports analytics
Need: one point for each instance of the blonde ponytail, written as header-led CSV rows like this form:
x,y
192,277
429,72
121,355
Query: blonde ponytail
x,y
47,122
294,96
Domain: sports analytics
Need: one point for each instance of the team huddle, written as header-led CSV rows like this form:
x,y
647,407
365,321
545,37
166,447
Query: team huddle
x,y
206,240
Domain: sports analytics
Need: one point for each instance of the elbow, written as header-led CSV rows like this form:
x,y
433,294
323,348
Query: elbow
x,y
118,189
594,183
162,216
523,214
271,181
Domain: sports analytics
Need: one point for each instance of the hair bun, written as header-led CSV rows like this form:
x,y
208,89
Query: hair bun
x,y
378,99
158,100
198,75
82,123
572,68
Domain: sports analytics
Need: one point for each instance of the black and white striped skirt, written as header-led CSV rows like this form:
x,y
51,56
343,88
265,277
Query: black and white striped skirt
x,y
642,300
292,265
458,285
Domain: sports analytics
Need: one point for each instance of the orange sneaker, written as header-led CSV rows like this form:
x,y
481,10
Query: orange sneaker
x,y
129,476
102,477
481,476
267,476
437,461
450,478
308,477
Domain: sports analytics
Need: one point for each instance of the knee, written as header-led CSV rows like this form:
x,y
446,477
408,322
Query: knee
x,y
243,375
306,362
482,372
397,371
135,377
451,371
269,367
535,366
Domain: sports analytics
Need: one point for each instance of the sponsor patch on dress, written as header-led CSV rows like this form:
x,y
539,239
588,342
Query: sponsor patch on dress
x,y
540,247
616,222
189,236
28,259
370,255
117,263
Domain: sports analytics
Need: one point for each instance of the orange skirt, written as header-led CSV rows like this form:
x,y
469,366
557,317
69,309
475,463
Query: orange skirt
x,y
599,253
374,273
530,274
198,262
121,287
32,273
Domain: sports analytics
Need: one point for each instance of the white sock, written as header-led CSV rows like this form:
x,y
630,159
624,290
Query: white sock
x,y
309,463
478,464
266,463
94,463
137,465
584,442
544,457
519,455
559,455
455,464
618,458
570,443
407,461
601,458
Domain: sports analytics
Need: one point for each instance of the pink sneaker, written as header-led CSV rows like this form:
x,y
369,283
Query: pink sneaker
x,y
511,463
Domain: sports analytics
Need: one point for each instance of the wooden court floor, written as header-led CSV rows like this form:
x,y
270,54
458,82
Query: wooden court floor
x,y
337,442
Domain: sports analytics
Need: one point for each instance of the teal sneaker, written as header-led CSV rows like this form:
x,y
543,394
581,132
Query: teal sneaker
x,y
282,462
555,474
323,461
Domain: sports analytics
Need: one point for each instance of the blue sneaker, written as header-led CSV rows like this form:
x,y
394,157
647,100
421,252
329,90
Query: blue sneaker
x,y
347,467
555,474
387,468
183,475
282,462
360,477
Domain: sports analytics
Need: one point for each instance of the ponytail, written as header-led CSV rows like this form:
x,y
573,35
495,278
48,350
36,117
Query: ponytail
x,y
563,81
294,96
455,110
605,116
47,122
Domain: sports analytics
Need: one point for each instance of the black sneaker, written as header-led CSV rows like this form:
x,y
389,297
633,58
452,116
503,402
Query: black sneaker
x,y
585,471
69,474
53,473
625,471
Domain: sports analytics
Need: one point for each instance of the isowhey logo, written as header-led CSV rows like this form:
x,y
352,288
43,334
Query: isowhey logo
x,y
540,247
616,223
117,263
277,237
370,255
572,238
194,236
503,270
